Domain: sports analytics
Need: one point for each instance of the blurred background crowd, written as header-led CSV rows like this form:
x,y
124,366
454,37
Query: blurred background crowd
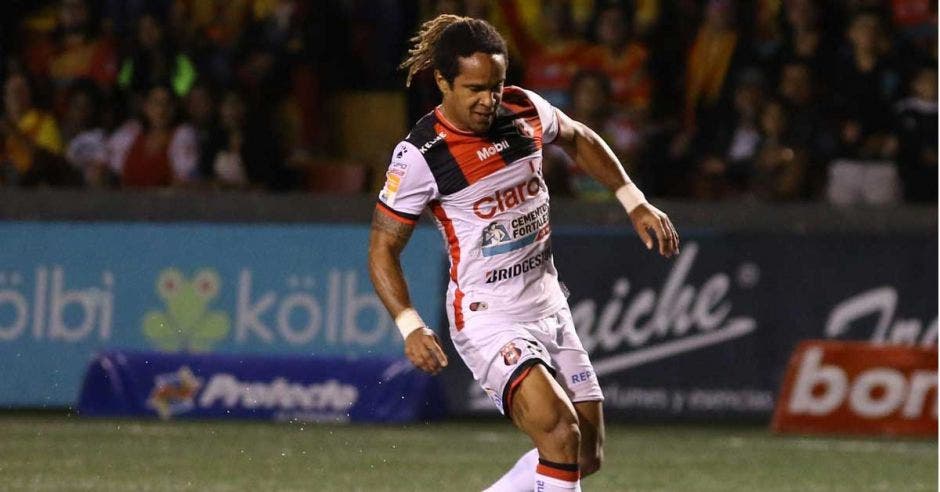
x,y
770,100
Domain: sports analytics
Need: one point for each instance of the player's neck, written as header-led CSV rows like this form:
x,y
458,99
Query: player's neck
x,y
449,121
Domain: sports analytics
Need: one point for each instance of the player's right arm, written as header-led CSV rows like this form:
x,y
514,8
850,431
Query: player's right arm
x,y
386,242
408,188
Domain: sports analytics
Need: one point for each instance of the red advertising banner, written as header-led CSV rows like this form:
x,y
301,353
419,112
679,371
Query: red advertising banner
x,y
859,388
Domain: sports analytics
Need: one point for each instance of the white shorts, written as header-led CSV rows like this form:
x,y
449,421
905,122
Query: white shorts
x,y
500,353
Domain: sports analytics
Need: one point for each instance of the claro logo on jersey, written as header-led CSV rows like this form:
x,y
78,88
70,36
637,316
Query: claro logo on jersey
x,y
508,198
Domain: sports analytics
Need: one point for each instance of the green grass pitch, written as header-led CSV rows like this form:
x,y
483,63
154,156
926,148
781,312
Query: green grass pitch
x,y
62,453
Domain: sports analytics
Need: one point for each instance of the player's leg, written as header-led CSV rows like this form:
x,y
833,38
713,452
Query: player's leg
x,y
575,373
591,424
541,409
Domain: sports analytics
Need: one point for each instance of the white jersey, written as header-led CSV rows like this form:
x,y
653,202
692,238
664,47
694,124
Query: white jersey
x,y
491,204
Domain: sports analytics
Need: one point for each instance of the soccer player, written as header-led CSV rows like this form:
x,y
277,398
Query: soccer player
x,y
475,162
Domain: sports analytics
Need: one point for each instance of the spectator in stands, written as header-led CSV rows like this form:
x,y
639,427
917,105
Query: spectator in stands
x,y
202,112
245,153
591,97
780,166
554,56
867,74
916,128
809,127
214,31
731,146
86,147
32,146
81,53
917,22
715,54
156,150
70,49
806,40
867,85
622,58
153,60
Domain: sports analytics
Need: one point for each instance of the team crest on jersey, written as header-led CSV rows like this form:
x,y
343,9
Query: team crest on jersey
x,y
524,127
510,353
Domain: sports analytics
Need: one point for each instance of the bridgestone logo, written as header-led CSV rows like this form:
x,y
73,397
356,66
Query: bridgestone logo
x,y
278,394
487,152
523,266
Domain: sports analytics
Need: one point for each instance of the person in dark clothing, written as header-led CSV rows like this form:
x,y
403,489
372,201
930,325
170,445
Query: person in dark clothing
x,y
242,153
916,130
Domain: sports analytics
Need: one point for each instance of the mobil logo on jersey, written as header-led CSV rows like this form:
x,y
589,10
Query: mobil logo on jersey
x,y
508,198
505,236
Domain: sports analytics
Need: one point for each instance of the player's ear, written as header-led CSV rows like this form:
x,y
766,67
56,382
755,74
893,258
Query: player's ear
x,y
442,83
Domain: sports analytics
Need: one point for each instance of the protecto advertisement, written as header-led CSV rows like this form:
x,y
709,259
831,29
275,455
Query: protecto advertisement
x,y
707,334
222,386
69,291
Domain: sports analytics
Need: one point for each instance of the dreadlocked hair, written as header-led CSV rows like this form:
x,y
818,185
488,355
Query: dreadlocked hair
x,y
445,38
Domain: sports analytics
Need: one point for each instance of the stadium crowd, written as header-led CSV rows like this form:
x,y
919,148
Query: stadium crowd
x,y
773,100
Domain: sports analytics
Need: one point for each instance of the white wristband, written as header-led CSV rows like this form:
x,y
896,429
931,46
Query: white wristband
x,y
630,196
408,321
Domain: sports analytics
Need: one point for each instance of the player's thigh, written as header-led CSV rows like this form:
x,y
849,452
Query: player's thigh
x,y
591,423
540,406
574,370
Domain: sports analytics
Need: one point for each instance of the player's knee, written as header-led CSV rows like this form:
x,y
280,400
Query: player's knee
x,y
569,433
590,464
566,435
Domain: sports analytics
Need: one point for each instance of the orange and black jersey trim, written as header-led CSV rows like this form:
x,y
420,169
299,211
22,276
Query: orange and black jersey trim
x,y
457,159
402,217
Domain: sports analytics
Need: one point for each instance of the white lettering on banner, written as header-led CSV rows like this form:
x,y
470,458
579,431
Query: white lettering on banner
x,y
344,303
677,401
882,301
50,302
894,391
280,394
675,312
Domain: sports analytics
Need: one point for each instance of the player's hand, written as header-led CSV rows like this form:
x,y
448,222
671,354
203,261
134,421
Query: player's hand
x,y
424,350
645,218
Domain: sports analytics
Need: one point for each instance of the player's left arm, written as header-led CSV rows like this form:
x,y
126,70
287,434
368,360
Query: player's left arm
x,y
594,156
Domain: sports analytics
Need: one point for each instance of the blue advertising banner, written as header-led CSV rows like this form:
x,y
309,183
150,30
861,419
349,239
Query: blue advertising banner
x,y
69,290
707,334
312,389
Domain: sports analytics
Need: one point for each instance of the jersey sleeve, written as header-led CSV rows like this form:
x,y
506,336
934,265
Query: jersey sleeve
x,y
547,116
409,185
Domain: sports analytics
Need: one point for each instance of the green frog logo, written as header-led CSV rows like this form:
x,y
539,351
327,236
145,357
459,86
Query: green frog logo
x,y
187,324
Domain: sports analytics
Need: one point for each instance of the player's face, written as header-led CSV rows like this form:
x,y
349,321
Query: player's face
x,y
471,101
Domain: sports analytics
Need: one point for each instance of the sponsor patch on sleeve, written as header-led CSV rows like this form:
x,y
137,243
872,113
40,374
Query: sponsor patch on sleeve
x,y
396,172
